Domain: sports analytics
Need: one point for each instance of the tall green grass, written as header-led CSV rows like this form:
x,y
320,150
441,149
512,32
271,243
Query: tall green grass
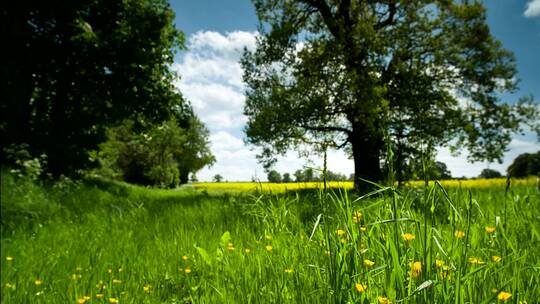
x,y
137,245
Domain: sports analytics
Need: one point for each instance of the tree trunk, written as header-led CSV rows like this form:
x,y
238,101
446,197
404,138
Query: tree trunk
x,y
366,148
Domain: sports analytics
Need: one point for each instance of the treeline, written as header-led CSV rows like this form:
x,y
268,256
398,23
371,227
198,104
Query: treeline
x,y
86,86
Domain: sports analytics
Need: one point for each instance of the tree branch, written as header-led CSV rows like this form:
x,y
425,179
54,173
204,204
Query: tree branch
x,y
328,129
392,6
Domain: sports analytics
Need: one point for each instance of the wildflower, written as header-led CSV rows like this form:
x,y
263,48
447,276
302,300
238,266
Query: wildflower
x,y
109,270
113,300
9,258
184,257
38,282
340,232
99,296
459,234
8,286
343,241
368,263
439,263
247,250
327,252
86,298
490,230
268,237
269,248
288,270
416,269
475,261
496,258
187,270
146,288
81,301
363,228
116,281
504,296
383,300
357,217
75,276
360,287
78,269
100,284
230,247
408,236
120,269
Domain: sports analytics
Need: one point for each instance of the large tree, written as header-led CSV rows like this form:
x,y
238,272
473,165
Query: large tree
x,y
349,73
72,68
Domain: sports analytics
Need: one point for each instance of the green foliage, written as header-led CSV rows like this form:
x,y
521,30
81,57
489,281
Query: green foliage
x,y
348,74
274,176
489,173
72,69
164,155
218,178
287,178
524,165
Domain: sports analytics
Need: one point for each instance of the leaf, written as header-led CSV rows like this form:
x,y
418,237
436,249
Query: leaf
x,y
204,255
225,239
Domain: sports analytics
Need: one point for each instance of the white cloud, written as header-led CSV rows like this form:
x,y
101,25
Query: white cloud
x,y
459,166
211,77
533,9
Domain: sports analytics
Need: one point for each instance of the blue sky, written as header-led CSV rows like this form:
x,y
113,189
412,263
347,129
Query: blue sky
x,y
216,33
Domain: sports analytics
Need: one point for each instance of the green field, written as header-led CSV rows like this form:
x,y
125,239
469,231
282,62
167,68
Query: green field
x,y
106,242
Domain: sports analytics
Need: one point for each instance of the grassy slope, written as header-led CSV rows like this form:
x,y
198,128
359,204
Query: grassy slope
x,y
71,237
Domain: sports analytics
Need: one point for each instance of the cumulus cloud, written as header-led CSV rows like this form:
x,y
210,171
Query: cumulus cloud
x,y
533,9
211,76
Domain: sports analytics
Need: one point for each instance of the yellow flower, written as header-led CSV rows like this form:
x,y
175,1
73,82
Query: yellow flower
x,y
459,234
113,300
9,258
38,282
363,228
184,257
99,296
383,300
408,236
490,230
360,287
230,248
268,237
146,288
496,258
269,248
116,281
439,263
357,216
109,270
327,252
8,286
247,250
187,270
81,301
340,232
416,269
288,270
504,296
120,269
86,298
368,263
475,261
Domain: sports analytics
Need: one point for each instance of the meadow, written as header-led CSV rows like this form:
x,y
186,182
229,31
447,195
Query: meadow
x,y
98,241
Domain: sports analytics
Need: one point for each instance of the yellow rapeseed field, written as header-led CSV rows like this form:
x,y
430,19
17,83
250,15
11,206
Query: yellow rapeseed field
x,y
283,187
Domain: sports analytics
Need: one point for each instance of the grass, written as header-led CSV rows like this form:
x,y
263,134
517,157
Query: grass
x,y
105,242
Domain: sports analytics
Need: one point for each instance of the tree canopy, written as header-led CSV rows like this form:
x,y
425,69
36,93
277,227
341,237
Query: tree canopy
x,y
72,69
351,74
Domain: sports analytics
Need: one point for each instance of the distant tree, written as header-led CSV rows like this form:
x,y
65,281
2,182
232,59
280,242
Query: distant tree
x,y
309,175
489,173
274,176
218,178
440,171
299,176
524,165
71,69
334,176
193,178
286,178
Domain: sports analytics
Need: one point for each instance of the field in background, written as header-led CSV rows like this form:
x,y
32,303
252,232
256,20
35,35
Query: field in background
x,y
108,242
284,187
